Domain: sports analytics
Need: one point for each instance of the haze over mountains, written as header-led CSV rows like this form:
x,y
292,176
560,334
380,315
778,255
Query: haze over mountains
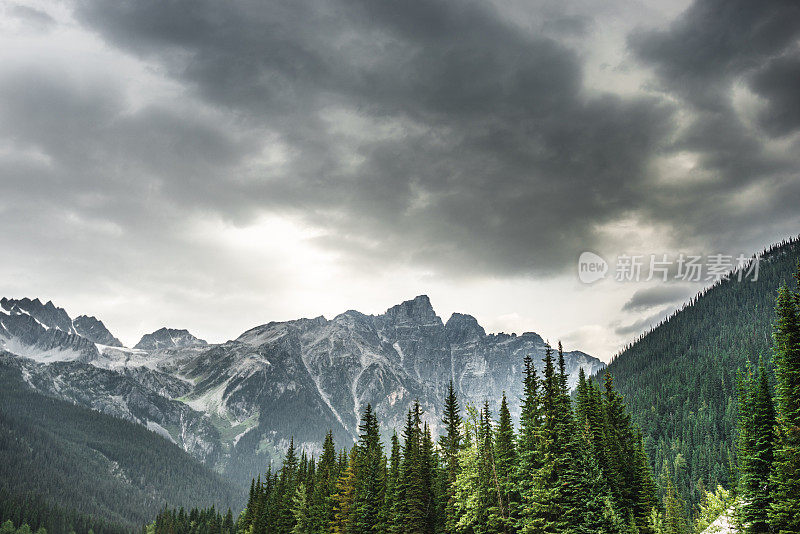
x,y
235,405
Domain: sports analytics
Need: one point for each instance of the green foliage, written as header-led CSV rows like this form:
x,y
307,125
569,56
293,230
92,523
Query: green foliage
x,y
56,456
679,379
784,513
450,445
712,506
197,521
756,446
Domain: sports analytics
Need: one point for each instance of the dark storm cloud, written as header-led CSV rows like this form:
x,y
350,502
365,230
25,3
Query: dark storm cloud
x,y
699,60
433,133
497,160
644,299
779,83
716,40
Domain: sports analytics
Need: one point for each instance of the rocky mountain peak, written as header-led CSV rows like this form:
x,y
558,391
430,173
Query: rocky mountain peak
x,y
94,330
417,310
169,338
48,315
462,328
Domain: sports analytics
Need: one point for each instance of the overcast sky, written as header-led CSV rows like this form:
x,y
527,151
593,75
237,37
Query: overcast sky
x,y
216,165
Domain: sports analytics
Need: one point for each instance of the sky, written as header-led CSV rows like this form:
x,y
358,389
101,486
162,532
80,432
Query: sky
x,y
217,165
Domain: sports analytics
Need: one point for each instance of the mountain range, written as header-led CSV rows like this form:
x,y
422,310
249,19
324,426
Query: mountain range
x,y
235,405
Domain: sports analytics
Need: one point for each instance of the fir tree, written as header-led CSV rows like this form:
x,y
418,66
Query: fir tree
x,y
505,455
327,474
413,492
370,471
450,444
344,498
756,426
784,513
529,453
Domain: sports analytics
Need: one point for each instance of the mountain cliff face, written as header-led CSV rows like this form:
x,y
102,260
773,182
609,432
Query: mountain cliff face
x,y
94,330
236,404
168,338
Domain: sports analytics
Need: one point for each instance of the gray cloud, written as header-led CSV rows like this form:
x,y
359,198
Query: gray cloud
x,y
779,83
498,162
641,325
31,16
644,299
451,137
699,60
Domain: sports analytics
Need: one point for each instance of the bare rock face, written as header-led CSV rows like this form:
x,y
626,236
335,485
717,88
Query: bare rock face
x,y
168,338
94,330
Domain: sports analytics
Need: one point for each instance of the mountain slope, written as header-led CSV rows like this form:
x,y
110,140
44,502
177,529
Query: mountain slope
x,y
679,379
96,464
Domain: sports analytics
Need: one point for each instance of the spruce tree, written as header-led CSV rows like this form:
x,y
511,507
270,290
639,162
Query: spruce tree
x,y
450,444
392,505
529,453
505,455
469,505
429,467
344,498
301,511
287,484
370,472
412,486
756,442
674,511
324,487
784,513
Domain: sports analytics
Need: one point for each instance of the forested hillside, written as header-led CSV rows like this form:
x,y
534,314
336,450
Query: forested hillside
x,y
679,379
57,455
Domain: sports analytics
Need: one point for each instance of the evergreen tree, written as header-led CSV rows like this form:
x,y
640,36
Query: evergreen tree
x,y
429,468
756,423
287,485
370,471
470,504
505,455
393,506
529,453
327,474
344,498
301,511
450,444
784,513
675,515
413,493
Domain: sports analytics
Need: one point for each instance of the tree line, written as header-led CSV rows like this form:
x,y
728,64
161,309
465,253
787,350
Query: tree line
x,y
769,428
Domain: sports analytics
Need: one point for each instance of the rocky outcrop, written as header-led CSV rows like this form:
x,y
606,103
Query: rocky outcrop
x,y
168,338
94,330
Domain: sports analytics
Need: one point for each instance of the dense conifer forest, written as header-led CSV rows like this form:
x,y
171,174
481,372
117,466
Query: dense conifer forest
x,y
679,379
55,456
769,428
